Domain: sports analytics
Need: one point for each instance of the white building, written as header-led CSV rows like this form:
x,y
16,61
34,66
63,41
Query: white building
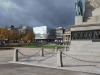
x,y
44,34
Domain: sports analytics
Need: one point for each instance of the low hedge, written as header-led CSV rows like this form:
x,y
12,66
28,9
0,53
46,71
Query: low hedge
x,y
22,45
6,48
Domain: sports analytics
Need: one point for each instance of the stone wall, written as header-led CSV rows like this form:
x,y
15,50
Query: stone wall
x,y
92,11
94,3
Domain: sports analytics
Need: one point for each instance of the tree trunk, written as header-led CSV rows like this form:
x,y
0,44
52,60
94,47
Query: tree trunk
x,y
8,42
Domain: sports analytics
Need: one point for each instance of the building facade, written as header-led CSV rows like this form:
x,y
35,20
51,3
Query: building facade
x,y
44,34
24,28
59,34
67,35
11,28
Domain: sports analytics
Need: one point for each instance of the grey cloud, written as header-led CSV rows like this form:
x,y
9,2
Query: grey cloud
x,y
54,13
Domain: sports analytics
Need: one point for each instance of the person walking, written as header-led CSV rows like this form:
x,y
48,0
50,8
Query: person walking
x,y
28,43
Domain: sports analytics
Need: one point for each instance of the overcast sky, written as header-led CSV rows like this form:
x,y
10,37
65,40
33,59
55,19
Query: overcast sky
x,y
34,13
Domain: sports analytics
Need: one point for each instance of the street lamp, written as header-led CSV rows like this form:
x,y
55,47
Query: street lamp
x,y
22,36
41,37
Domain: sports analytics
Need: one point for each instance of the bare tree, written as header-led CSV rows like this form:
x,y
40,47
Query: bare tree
x,y
20,26
7,26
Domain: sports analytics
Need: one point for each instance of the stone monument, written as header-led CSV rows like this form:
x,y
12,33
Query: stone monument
x,y
79,12
92,12
85,37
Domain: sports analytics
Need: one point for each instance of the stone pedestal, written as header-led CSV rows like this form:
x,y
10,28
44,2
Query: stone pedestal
x,y
59,59
15,55
92,12
85,39
41,52
78,20
65,48
55,49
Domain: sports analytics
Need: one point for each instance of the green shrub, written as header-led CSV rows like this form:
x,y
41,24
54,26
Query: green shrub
x,y
68,43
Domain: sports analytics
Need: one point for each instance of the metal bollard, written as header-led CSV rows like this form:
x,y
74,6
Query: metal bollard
x,y
59,59
15,55
55,49
41,52
65,48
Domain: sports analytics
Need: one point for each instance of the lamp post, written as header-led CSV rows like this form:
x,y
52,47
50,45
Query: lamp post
x,y
22,37
41,37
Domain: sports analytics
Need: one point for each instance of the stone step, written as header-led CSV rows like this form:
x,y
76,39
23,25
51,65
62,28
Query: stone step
x,y
85,23
83,53
85,49
90,58
96,12
92,20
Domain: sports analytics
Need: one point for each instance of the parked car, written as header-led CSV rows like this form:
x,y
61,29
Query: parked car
x,y
57,43
34,42
61,43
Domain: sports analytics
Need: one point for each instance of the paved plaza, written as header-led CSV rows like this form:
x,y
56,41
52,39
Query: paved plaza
x,y
47,66
18,69
50,60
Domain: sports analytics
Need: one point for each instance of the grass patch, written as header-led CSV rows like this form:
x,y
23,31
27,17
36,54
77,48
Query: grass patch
x,y
66,43
12,45
6,48
21,45
53,43
32,45
51,47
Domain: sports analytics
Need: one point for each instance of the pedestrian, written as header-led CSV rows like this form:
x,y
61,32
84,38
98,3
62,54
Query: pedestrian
x,y
0,43
28,43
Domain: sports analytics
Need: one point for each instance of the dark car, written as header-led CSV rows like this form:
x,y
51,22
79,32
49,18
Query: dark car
x,y
61,43
57,43
34,42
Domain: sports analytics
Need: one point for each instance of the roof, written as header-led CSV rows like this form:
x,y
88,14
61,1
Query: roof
x,y
67,29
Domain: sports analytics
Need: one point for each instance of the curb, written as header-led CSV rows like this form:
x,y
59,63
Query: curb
x,y
61,68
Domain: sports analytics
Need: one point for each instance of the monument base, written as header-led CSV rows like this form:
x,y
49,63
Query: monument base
x,y
78,20
85,47
85,40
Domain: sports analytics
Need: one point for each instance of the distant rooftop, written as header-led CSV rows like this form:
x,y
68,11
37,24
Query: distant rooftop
x,y
67,29
59,27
